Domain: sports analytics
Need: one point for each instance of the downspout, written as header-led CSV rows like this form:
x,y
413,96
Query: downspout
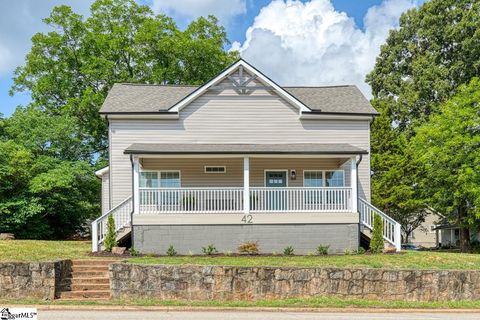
x,y
359,218
133,202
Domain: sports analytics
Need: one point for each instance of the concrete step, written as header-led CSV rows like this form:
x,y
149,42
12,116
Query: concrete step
x,y
93,262
67,295
90,287
90,268
84,281
90,274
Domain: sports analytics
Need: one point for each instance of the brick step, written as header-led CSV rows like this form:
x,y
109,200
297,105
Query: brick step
x,y
92,262
67,295
90,287
90,274
83,299
92,280
90,268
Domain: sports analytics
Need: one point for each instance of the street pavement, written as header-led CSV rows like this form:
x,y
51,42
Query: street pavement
x,y
241,315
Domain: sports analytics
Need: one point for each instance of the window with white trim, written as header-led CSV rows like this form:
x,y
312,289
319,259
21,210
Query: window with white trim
x,y
160,179
215,169
334,178
313,179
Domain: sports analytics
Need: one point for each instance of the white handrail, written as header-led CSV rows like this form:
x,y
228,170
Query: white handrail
x,y
121,214
301,199
391,228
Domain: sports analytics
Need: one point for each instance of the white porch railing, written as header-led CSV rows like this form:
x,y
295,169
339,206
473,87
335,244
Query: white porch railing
x,y
391,228
121,215
300,199
191,200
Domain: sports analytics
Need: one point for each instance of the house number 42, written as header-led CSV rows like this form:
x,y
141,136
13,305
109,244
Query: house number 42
x,y
247,218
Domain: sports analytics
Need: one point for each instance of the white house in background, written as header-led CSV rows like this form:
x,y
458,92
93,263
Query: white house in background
x,y
238,159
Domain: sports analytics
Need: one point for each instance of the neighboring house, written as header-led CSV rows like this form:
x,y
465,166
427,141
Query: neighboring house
x,y
238,159
427,235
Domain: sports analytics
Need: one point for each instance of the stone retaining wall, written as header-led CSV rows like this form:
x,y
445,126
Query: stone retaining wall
x,y
31,279
189,282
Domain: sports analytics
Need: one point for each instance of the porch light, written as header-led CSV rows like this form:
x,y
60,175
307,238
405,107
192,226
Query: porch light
x,y
293,174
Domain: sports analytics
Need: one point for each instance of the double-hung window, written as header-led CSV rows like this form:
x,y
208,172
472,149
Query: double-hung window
x,y
321,178
157,180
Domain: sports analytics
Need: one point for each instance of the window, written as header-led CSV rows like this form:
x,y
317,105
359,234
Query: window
x,y
215,169
334,178
160,179
313,179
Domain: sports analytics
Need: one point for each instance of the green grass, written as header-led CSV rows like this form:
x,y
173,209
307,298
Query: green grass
x,y
41,250
317,302
407,260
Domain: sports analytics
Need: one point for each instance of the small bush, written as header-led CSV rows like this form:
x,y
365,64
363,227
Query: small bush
x,y
347,252
209,250
322,250
227,253
288,251
361,250
274,253
111,237
248,247
171,251
133,252
151,255
310,253
376,243
190,253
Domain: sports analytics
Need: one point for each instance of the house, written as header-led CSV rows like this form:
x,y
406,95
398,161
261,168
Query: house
x,y
427,235
238,159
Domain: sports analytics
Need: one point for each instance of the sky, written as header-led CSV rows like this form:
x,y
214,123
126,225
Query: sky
x,y
294,42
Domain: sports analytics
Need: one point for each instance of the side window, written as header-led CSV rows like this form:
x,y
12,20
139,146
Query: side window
x,y
334,178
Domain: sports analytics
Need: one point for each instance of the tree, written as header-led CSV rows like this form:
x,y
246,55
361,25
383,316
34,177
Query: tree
x,y
434,50
376,243
449,148
70,69
111,236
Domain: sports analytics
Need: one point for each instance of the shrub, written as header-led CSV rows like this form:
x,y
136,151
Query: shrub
x,y
171,251
227,253
322,250
111,237
361,250
248,247
209,250
133,252
190,253
347,252
288,251
376,243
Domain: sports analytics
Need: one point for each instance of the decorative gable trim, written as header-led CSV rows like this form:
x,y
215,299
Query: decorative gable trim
x,y
226,73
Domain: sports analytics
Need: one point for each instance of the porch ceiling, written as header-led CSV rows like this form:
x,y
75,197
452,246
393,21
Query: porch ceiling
x,y
293,148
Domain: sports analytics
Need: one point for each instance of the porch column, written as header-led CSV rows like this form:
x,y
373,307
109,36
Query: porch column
x,y
136,185
354,182
246,185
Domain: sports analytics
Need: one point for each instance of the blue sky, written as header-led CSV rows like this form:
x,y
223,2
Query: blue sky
x,y
22,18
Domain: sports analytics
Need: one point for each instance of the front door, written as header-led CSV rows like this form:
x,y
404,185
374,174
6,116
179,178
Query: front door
x,y
276,199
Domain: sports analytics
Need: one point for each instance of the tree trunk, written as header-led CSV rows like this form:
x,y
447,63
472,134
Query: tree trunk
x,y
464,231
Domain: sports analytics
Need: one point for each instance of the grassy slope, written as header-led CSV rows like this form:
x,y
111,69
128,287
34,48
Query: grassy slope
x,y
410,259
40,250
316,302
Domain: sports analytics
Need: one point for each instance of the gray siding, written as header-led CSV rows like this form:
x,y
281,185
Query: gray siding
x,y
226,117
105,192
271,238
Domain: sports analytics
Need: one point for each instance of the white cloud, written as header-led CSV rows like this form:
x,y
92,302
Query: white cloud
x,y
222,9
310,43
19,21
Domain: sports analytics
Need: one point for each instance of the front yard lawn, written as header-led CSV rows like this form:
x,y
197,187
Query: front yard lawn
x,y
406,260
42,250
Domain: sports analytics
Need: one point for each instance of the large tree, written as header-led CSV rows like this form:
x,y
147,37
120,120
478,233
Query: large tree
x,y
449,148
50,149
70,69
435,49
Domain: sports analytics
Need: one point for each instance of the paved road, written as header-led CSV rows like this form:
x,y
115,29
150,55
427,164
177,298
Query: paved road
x,y
220,315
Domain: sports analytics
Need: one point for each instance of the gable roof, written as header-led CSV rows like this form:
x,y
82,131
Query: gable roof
x,y
125,98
